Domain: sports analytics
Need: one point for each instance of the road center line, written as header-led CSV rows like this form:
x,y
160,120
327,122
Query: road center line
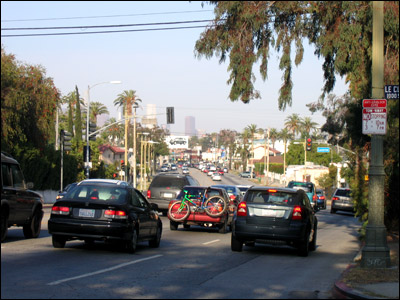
x,y
104,270
210,242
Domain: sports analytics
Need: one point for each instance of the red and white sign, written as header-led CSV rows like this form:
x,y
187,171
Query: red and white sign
x,y
374,116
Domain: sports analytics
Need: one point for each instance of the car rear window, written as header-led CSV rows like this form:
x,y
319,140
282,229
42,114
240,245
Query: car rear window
x,y
172,182
308,188
343,193
270,197
110,194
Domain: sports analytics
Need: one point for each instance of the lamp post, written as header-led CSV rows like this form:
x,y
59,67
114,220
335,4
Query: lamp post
x,y
87,123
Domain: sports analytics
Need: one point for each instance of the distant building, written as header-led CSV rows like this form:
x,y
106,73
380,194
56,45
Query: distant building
x,y
190,128
150,119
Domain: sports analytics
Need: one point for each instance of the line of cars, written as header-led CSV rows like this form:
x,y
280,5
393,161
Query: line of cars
x,y
112,210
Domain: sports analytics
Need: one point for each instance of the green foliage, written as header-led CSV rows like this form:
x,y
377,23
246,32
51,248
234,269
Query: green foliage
x,y
274,168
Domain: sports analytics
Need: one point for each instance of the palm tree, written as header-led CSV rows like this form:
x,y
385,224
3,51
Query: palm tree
x,y
252,129
308,125
293,124
273,136
126,100
97,108
227,138
285,135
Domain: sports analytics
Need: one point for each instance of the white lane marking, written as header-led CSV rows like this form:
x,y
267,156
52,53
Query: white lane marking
x,y
210,242
103,271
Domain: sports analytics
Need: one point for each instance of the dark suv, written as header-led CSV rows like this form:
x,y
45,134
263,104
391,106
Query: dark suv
x,y
19,206
166,187
275,215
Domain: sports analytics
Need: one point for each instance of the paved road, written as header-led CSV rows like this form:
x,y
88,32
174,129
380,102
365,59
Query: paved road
x,y
190,263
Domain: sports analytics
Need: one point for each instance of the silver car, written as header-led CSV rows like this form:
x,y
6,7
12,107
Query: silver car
x,y
341,200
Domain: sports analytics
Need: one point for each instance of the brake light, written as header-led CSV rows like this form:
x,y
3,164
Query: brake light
x,y
60,210
115,214
314,197
148,194
272,191
242,209
232,197
297,213
335,198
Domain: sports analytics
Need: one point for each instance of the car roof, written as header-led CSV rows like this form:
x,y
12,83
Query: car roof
x,y
266,188
5,157
103,181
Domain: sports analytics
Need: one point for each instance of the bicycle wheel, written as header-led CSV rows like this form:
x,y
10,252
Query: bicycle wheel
x,y
215,206
177,214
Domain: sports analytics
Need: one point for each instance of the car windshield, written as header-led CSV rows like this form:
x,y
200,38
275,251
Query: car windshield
x,y
270,197
343,193
162,182
106,193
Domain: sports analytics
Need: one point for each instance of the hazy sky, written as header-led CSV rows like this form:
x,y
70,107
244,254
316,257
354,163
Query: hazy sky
x,y
159,65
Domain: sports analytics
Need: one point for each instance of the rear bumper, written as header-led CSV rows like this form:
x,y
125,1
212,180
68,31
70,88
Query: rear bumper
x,y
342,206
250,232
90,229
162,203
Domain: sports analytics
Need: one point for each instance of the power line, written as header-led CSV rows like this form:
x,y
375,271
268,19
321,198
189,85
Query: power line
x,y
97,32
109,16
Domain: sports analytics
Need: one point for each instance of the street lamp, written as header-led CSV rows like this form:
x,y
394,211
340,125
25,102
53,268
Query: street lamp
x,y
87,122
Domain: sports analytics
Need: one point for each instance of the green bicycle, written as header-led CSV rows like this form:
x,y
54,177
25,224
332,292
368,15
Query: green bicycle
x,y
214,207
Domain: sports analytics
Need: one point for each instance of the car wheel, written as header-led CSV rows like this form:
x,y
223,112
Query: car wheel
x,y
4,224
173,225
236,245
155,243
32,230
132,243
313,244
223,228
304,247
333,211
58,241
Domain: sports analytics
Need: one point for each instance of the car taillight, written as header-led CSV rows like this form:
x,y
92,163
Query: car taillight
x,y
314,197
242,209
232,197
115,214
148,194
60,210
335,198
297,213
322,197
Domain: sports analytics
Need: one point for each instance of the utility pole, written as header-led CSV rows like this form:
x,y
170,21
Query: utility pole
x,y
376,253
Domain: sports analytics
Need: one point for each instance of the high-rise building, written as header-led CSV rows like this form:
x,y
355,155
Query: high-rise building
x,y
190,128
150,119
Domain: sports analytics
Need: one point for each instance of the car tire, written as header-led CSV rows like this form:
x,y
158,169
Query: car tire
x,y
58,241
333,211
32,229
155,243
132,243
173,225
4,224
223,228
304,247
313,245
236,245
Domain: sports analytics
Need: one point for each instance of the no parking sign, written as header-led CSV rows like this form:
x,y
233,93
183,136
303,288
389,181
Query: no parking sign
x,y
374,116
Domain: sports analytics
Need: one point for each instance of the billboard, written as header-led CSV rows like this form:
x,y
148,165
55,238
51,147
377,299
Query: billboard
x,y
177,142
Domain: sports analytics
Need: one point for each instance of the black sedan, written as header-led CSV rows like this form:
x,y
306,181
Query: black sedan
x,y
106,210
271,215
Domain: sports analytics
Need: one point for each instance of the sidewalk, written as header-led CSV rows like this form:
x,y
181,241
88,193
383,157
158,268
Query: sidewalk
x,y
356,283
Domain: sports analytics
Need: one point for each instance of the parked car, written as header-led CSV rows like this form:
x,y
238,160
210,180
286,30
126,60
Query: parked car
x,y
243,189
247,175
232,190
66,189
106,210
321,200
341,200
20,206
216,176
309,188
185,170
164,168
199,217
275,214
166,186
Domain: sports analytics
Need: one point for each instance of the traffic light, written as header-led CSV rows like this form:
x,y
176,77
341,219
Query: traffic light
x,y
170,115
115,175
92,129
309,144
84,153
65,140
122,164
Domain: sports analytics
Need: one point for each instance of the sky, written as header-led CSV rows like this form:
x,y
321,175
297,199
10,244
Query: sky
x,y
159,65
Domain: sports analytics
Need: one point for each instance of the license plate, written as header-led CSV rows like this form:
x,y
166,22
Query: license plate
x,y
168,195
86,213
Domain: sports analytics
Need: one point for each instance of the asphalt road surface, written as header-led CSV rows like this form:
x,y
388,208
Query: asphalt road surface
x,y
190,263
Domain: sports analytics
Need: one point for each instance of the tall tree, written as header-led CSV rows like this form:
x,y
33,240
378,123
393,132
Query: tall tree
x,y
307,126
96,109
293,124
78,118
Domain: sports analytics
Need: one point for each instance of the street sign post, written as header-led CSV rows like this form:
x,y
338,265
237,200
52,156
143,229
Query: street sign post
x,y
374,116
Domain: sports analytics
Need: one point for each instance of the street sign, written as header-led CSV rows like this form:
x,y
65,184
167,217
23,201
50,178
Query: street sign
x,y
323,149
374,116
391,92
